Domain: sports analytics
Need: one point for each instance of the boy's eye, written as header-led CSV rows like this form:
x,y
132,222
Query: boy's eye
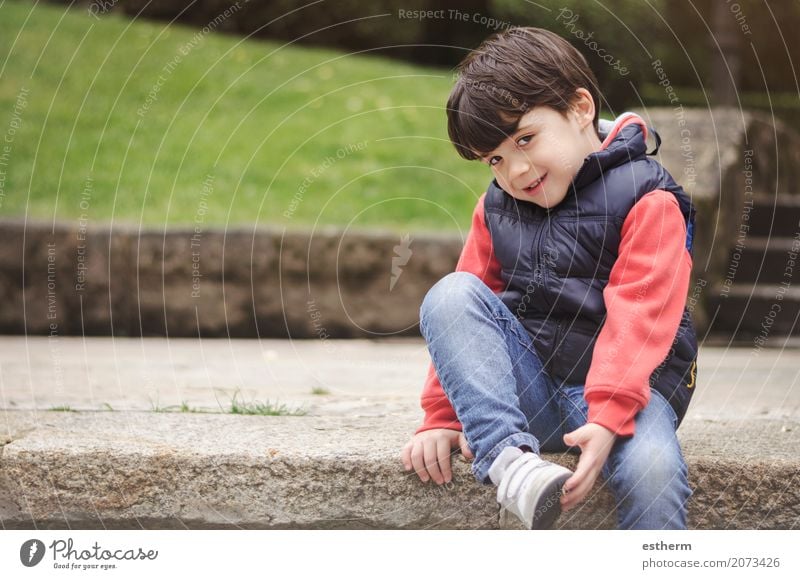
x,y
492,160
524,140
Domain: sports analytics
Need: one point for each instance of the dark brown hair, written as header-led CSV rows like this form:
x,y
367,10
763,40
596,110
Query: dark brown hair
x,y
510,73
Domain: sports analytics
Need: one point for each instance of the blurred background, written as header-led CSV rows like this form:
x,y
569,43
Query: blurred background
x,y
275,177
224,168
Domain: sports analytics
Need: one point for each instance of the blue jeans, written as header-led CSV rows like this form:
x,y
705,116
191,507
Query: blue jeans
x,y
502,396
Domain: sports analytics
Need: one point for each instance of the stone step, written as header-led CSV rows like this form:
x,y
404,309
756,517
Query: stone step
x,y
93,470
751,310
775,215
767,260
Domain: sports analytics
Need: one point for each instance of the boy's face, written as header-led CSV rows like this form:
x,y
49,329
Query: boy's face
x,y
538,162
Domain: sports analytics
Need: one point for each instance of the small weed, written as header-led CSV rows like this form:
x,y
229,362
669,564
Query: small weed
x,y
262,408
108,406
61,409
236,406
155,407
320,391
184,407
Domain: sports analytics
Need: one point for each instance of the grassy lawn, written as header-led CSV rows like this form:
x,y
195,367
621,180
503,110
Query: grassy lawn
x,y
139,122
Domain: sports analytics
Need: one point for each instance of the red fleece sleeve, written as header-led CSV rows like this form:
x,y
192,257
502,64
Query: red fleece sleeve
x,y
477,257
645,298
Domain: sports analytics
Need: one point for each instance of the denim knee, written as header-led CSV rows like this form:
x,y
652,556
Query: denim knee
x,y
446,300
652,489
652,473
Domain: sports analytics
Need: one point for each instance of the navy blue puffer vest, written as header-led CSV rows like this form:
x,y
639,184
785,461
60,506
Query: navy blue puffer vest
x,y
555,262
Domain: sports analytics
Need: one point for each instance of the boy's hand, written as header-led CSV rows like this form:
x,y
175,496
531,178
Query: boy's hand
x,y
595,442
428,453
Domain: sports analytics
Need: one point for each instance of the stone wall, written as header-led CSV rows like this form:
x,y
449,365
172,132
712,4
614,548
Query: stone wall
x,y
247,282
238,283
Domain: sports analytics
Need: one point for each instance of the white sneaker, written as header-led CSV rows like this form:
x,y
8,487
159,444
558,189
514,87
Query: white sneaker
x,y
528,486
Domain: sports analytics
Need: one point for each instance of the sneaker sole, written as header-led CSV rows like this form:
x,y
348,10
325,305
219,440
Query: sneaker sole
x,y
548,505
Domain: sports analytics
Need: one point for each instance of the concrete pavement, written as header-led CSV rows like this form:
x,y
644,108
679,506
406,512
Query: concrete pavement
x,y
116,463
359,378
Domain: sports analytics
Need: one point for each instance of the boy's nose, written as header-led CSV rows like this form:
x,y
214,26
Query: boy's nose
x,y
519,169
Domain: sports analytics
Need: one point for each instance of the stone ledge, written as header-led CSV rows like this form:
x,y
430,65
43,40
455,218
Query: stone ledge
x,y
153,470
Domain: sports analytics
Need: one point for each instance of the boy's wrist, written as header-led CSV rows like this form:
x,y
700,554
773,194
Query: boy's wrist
x,y
433,421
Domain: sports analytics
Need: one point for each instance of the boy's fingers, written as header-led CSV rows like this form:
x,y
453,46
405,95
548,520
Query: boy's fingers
x,y
571,498
417,461
574,438
577,494
573,482
405,456
586,465
576,479
465,450
568,502
579,485
443,454
432,461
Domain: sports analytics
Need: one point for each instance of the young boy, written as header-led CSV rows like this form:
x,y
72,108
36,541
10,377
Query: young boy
x,y
564,326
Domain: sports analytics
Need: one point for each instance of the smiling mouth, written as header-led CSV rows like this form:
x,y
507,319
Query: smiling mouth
x,y
535,187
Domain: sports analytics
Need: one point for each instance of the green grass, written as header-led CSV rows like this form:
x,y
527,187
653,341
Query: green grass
x,y
262,120
234,406
320,391
61,409
183,407
267,408
156,407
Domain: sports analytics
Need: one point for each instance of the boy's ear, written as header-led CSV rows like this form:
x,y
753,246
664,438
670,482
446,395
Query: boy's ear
x,y
582,106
